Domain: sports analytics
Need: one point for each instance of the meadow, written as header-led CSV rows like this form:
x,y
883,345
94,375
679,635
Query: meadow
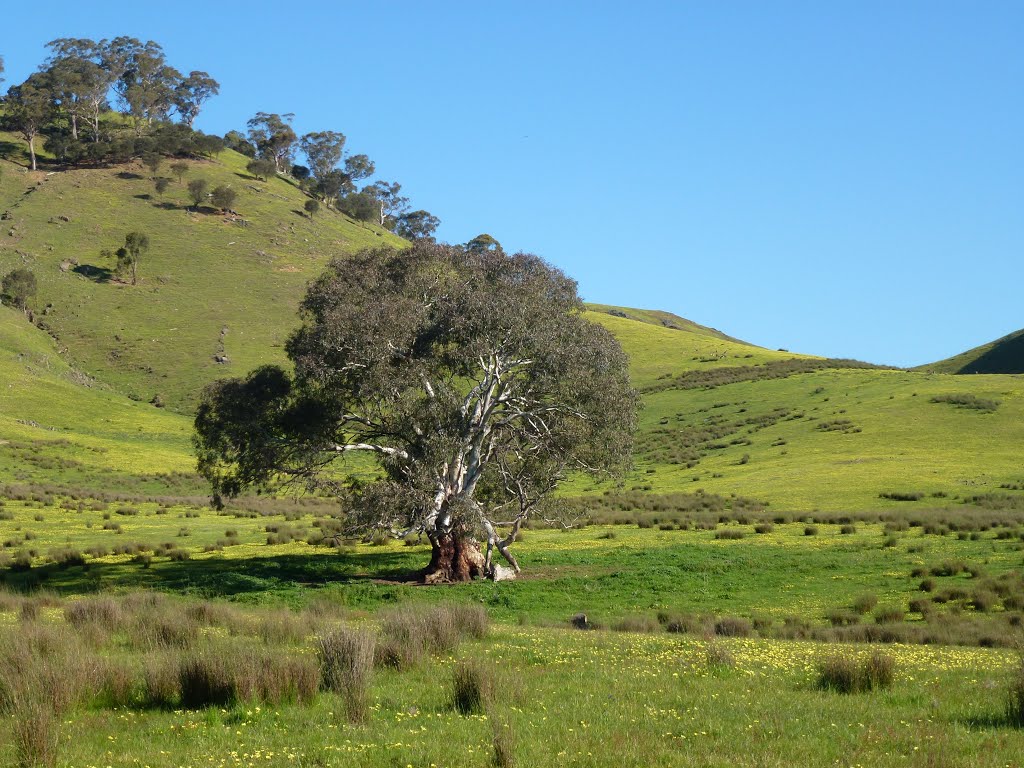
x,y
148,681
787,518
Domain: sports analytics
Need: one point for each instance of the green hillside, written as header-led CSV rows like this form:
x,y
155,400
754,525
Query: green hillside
x,y
59,426
1005,355
804,433
721,415
210,285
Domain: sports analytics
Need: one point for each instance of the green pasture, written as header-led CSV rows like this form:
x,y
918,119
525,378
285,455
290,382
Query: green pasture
x,y
565,697
209,285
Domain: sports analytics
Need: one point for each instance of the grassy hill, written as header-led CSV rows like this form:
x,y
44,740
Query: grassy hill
x,y
210,285
1005,355
60,426
721,416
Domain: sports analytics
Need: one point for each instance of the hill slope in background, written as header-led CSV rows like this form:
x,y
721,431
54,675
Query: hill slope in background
x,y
1005,355
210,285
720,415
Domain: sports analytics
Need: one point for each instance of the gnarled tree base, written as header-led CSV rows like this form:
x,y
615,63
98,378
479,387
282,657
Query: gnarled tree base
x,y
454,559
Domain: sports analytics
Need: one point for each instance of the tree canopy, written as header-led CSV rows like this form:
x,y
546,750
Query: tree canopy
x,y
472,377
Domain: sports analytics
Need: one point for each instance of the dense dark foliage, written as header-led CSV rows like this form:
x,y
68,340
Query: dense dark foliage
x,y
473,377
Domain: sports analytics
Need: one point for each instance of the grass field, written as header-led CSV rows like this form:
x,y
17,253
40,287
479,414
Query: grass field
x,y
558,697
780,506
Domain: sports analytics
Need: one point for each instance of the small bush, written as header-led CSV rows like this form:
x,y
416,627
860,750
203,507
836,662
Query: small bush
x,y
504,743
717,656
346,667
840,618
848,529
865,603
846,673
888,614
729,534
810,530
161,681
732,626
764,528
1015,698
640,623
206,679
472,687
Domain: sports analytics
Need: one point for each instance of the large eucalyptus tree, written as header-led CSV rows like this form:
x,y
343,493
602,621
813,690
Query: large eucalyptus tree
x,y
473,379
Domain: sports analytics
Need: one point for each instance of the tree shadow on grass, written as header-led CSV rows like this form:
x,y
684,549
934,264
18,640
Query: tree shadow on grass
x,y
166,206
128,175
220,576
94,273
8,148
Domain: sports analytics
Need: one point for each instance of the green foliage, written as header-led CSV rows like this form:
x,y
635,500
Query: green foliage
x,y
417,225
223,197
18,288
552,394
274,138
311,207
198,191
261,169
179,169
968,401
135,245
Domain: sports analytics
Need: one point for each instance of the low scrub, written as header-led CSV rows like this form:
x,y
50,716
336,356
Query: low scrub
x,y
968,401
847,672
346,659
472,687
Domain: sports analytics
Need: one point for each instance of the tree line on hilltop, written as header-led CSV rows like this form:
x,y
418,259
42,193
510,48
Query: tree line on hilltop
x,y
68,105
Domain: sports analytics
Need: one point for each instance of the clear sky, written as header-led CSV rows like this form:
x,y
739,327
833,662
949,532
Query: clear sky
x,y
837,178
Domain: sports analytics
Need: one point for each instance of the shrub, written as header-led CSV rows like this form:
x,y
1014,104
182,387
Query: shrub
x,y
984,601
161,681
764,528
841,618
865,603
637,623
732,626
888,614
346,667
472,687
920,605
1015,698
717,656
901,495
96,612
846,673
206,679
729,534
504,743
810,530
18,287
409,632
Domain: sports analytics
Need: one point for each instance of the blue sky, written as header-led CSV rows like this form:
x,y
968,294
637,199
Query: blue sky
x,y
841,178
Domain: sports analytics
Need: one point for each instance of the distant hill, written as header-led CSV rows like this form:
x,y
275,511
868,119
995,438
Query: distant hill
x,y
663,319
1005,355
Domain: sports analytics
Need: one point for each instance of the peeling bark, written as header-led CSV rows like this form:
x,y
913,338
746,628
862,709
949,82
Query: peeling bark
x,y
453,559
